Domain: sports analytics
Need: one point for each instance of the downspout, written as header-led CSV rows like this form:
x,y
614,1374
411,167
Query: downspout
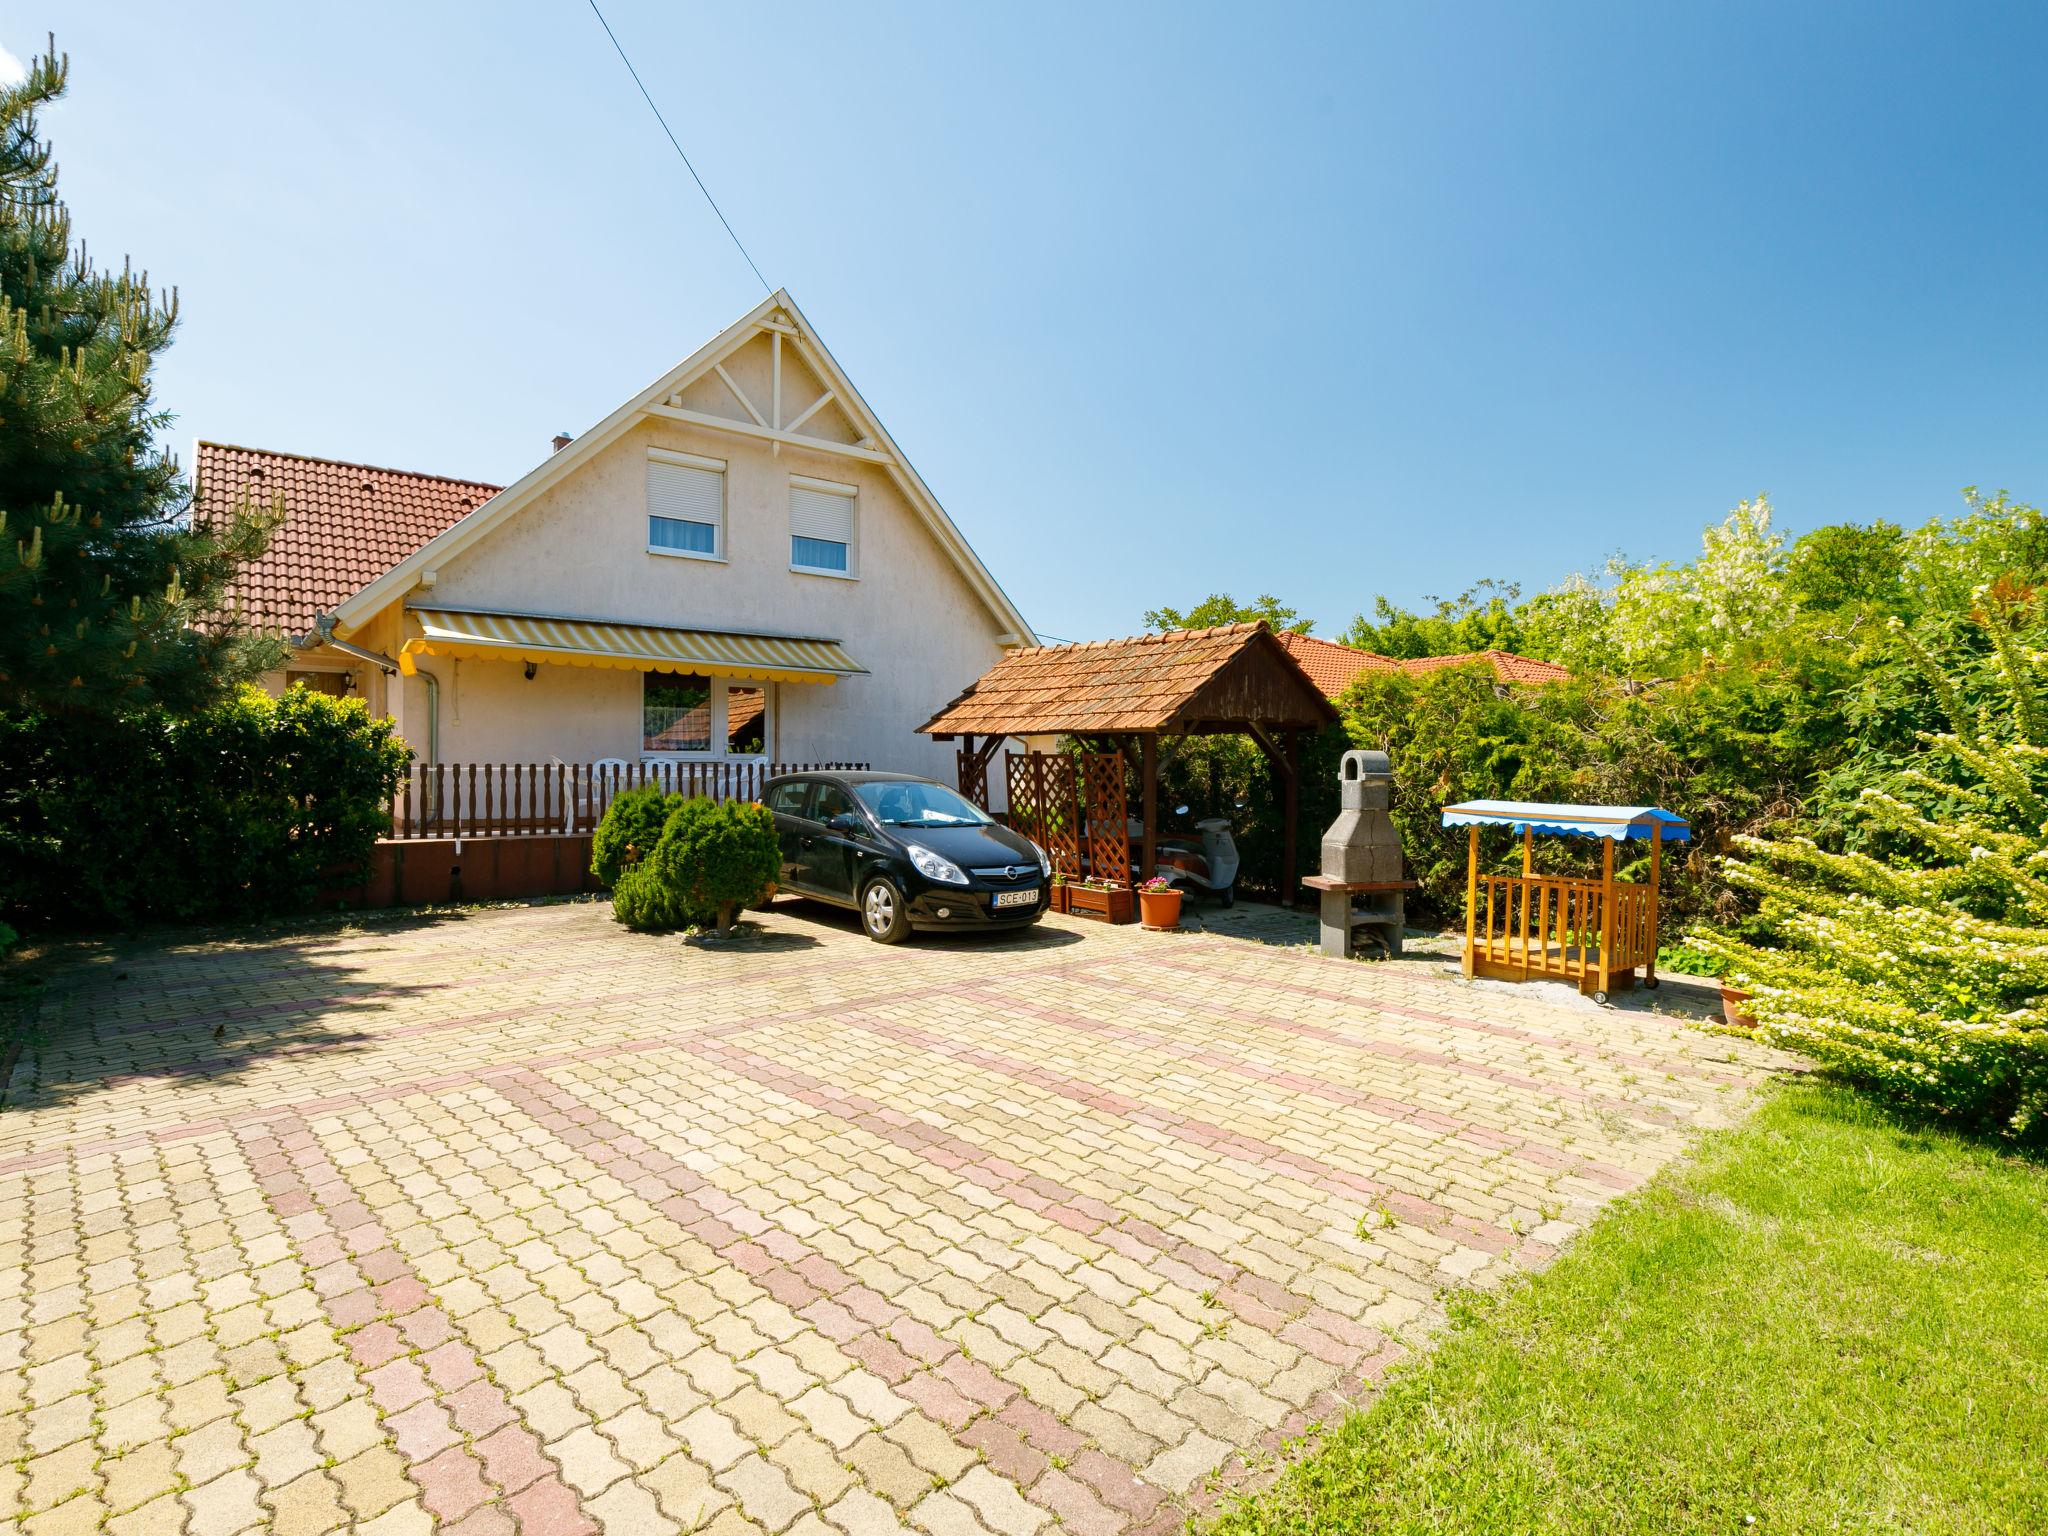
x,y
428,786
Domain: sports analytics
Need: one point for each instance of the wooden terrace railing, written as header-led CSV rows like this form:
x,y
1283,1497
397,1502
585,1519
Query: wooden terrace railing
x,y
523,799
1552,926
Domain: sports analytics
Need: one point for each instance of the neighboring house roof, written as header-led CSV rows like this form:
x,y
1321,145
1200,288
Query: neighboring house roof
x,y
778,316
344,525
1507,667
1186,678
1333,666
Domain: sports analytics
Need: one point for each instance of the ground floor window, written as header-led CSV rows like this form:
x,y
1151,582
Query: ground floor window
x,y
334,683
687,714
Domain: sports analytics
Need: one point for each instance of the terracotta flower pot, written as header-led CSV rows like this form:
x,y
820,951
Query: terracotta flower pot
x,y
1159,909
1732,999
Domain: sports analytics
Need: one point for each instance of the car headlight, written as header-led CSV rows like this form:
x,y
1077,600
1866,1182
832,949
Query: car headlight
x,y
932,867
1044,859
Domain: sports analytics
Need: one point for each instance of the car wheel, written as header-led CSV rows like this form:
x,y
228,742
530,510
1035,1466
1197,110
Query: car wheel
x,y
883,913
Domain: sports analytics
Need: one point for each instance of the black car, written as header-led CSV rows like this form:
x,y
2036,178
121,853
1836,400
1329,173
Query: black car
x,y
905,853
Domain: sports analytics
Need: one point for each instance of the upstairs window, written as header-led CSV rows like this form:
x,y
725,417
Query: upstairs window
x,y
685,505
821,526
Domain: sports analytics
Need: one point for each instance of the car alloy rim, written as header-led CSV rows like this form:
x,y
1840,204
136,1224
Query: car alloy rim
x,y
881,907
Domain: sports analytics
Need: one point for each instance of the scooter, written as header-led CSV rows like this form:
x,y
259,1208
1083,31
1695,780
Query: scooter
x,y
1201,865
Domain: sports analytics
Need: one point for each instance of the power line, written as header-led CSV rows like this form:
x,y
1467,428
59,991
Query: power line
x,y
608,32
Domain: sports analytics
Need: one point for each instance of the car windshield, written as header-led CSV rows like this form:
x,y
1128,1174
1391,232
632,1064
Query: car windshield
x,y
912,804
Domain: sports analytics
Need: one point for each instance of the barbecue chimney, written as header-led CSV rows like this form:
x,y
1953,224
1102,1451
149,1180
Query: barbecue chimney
x,y
1362,846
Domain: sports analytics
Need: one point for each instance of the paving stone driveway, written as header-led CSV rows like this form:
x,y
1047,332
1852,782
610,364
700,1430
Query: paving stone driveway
x,y
513,1220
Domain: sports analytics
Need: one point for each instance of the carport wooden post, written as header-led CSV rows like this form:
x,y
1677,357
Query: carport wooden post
x,y
1656,879
1290,812
1606,913
1471,899
1148,795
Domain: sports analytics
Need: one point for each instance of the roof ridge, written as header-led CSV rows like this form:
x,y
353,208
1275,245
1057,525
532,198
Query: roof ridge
x,y
314,458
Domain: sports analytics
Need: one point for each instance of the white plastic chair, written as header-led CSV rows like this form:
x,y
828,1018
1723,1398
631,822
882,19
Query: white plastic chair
x,y
607,771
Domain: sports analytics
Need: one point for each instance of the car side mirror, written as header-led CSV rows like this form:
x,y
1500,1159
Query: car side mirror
x,y
845,821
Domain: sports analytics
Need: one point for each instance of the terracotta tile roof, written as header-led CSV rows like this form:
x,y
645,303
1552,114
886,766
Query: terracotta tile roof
x,y
344,526
1507,667
1333,666
1145,683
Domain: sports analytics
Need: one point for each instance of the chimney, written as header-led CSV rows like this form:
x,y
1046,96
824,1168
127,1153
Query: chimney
x,y
562,440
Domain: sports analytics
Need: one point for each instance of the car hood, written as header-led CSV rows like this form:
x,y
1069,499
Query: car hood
x,y
972,847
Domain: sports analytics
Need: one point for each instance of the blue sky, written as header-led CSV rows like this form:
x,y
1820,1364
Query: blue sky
x,y
1160,299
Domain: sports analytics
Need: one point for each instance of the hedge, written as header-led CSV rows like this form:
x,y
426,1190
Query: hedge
x,y
253,807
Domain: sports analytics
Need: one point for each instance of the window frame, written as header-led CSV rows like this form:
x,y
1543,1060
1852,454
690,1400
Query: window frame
x,y
851,493
717,752
676,458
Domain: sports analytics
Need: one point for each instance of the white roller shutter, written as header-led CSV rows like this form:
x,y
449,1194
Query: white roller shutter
x,y
685,493
815,514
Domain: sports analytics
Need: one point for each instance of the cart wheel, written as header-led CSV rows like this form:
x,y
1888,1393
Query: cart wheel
x,y
1653,982
1600,998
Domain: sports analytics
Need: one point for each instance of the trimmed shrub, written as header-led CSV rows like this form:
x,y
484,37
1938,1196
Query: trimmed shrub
x,y
713,858
631,827
252,807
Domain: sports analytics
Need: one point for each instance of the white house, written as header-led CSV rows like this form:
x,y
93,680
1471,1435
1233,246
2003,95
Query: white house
x,y
737,565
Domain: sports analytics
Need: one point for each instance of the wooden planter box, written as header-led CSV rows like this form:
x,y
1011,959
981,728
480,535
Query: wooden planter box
x,y
1114,905
1057,901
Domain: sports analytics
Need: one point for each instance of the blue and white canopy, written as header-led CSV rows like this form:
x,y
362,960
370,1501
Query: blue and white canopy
x,y
1617,823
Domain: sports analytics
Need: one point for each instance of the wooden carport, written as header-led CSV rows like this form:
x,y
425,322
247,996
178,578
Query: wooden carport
x,y
1123,695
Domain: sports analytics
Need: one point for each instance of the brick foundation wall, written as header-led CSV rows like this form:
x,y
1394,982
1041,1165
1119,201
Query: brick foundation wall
x,y
408,872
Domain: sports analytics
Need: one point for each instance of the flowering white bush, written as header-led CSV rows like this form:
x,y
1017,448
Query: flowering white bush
x,y
1923,975
1647,620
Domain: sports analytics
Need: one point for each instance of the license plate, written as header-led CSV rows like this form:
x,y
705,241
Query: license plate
x,y
1015,899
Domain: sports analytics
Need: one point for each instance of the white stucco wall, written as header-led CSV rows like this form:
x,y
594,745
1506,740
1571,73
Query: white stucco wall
x,y
580,551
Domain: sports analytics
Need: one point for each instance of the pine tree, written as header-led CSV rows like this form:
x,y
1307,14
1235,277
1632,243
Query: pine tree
x,y
110,597
1924,973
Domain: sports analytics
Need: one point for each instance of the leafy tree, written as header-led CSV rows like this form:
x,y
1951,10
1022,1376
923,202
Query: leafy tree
x,y
1219,608
110,596
1848,565
1484,617
1924,975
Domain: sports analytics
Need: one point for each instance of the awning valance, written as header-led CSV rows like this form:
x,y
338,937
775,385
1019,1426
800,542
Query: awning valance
x,y
1617,823
631,647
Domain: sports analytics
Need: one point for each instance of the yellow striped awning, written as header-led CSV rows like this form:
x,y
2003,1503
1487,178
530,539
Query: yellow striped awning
x,y
632,647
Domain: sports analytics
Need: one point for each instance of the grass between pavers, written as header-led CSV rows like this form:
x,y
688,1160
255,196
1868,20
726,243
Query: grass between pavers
x,y
1825,1320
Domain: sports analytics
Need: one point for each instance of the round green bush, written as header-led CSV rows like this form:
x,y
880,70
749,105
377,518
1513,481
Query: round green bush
x,y
713,858
631,827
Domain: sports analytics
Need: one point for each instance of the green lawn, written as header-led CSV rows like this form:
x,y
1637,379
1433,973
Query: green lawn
x,y
1826,1321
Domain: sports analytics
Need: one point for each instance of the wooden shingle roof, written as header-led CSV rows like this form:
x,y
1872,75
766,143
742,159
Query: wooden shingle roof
x,y
1190,679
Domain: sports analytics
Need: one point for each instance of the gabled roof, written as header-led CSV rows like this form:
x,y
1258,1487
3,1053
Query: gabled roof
x,y
1186,678
1507,666
344,525
778,316
1333,666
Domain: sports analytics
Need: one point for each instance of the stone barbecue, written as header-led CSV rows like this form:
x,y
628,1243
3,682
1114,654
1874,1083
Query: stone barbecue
x,y
1362,859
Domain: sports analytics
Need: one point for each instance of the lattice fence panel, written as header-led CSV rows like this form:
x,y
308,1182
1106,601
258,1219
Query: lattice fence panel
x,y
1108,828
1044,807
